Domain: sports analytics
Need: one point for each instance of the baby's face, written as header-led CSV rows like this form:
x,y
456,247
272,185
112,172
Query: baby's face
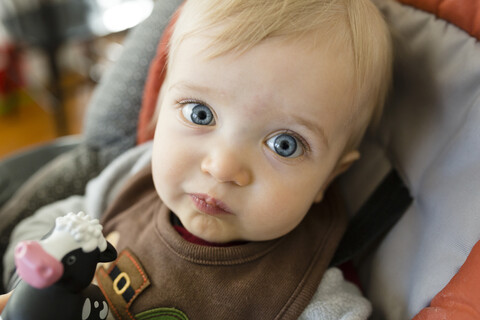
x,y
246,143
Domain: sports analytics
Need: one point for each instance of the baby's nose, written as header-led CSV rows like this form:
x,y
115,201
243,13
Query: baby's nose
x,y
226,166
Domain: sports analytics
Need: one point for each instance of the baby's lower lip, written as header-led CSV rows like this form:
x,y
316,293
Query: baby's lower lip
x,y
212,207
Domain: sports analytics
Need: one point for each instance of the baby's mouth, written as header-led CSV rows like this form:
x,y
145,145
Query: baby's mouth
x,y
209,205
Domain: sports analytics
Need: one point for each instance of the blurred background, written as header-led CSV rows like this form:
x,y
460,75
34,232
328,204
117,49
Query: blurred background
x,y
52,55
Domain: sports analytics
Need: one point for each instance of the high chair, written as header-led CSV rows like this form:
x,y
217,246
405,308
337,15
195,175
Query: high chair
x,y
430,135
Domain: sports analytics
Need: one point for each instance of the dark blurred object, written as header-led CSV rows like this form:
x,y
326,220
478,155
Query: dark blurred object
x,y
11,79
49,24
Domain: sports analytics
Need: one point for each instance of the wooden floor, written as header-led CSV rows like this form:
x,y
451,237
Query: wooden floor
x,y
30,122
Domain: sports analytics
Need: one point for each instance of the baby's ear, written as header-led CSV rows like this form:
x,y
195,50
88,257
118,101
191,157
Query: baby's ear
x,y
346,162
343,164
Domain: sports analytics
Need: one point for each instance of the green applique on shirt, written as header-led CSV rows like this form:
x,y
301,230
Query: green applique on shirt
x,y
162,314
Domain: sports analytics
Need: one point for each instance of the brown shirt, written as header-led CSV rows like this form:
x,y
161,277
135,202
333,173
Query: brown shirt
x,y
160,273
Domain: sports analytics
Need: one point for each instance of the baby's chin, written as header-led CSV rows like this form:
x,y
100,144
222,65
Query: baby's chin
x,y
211,229
218,230
226,238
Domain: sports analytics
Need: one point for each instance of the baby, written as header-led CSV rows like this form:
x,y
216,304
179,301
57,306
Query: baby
x,y
263,105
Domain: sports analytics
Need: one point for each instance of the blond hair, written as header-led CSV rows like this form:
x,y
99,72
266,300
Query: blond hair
x,y
237,25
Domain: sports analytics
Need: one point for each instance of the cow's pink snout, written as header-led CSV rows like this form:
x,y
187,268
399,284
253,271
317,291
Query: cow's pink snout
x,y
35,266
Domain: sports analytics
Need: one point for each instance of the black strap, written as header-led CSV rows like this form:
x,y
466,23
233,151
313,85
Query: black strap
x,y
120,284
375,218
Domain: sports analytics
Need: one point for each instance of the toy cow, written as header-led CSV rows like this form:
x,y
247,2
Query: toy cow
x,y
56,273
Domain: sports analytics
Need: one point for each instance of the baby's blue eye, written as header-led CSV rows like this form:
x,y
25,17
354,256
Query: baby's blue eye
x,y
285,145
198,114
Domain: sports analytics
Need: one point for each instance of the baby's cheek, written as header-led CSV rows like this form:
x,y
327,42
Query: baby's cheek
x,y
165,159
281,213
169,174
163,178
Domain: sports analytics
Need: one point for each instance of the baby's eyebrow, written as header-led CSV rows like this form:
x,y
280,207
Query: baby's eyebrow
x,y
312,126
185,85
